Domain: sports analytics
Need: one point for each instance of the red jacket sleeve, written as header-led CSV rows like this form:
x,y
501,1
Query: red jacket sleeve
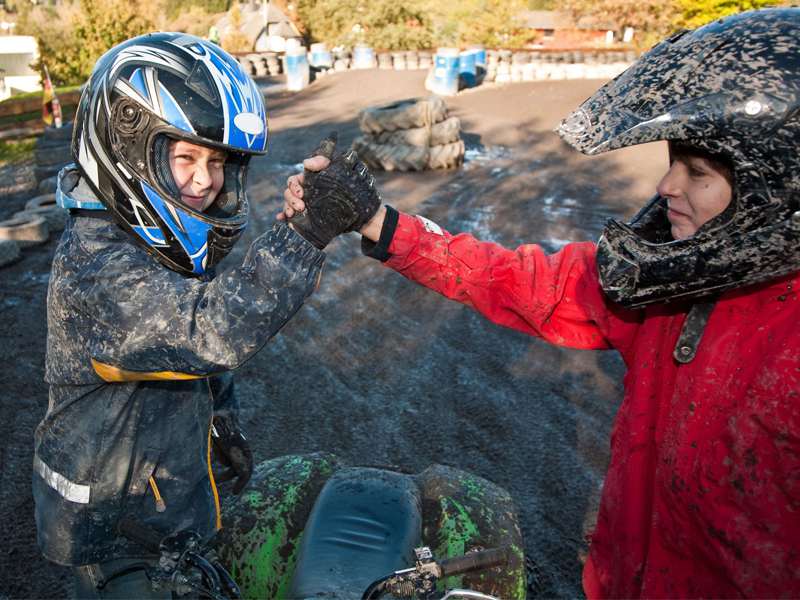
x,y
556,297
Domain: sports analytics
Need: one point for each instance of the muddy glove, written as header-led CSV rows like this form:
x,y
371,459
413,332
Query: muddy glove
x,y
340,198
232,450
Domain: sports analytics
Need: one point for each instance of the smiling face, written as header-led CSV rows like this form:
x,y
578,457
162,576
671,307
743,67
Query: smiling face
x,y
198,172
697,189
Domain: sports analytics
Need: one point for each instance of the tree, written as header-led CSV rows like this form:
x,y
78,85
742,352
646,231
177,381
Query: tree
x,y
492,23
653,20
233,40
388,24
72,39
384,24
695,13
175,8
656,19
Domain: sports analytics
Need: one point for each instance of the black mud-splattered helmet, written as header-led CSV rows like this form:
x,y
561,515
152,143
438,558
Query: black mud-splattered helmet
x,y
145,93
730,89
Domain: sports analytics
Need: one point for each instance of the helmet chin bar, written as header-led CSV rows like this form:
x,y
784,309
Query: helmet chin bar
x,y
635,273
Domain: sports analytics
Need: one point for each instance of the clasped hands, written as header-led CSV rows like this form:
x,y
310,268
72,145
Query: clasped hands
x,y
334,194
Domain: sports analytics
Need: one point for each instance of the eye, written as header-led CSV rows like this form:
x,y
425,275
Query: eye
x,y
696,170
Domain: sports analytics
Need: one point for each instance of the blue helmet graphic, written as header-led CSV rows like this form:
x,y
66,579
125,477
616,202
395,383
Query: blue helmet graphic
x,y
145,95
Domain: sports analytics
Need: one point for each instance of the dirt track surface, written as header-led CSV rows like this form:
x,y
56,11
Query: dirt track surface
x,y
376,369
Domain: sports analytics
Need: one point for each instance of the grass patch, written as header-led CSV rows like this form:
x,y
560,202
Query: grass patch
x,y
13,151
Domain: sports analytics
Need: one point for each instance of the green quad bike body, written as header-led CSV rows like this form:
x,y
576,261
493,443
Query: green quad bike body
x,y
310,527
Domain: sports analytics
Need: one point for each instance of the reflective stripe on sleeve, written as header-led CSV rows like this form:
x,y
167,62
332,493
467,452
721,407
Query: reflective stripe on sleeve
x,y
74,492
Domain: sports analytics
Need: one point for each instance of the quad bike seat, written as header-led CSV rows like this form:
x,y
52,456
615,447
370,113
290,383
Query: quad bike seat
x,y
364,525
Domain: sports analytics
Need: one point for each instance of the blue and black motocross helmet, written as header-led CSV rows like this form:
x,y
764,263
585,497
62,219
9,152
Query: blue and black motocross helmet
x,y
142,95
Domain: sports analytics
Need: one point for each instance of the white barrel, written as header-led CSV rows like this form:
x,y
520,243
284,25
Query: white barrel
x,y
320,56
363,57
296,68
293,44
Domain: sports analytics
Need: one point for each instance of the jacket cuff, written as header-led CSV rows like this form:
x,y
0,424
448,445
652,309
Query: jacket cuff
x,y
380,250
285,237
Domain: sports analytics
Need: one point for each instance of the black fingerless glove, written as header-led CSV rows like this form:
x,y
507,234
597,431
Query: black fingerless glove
x,y
340,198
232,450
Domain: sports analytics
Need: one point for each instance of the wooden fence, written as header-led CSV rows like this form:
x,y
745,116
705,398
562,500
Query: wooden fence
x,y
22,117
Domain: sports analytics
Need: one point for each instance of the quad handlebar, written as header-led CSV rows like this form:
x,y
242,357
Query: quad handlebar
x,y
185,565
420,581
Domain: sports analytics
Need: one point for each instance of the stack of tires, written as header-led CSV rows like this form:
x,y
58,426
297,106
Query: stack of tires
x,y
410,135
30,227
342,59
51,154
273,64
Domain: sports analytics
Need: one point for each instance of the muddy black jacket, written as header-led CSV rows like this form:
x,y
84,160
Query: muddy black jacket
x,y
137,357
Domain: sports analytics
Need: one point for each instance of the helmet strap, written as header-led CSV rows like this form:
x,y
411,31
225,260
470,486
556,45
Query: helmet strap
x,y
692,330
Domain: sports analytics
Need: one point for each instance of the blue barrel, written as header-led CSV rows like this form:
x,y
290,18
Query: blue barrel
x,y
445,72
363,57
321,56
480,55
467,69
296,69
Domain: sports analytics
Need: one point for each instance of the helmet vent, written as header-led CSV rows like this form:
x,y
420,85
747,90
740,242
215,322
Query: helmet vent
x,y
200,82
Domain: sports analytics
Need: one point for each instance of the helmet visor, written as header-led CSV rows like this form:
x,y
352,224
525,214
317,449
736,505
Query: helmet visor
x,y
204,181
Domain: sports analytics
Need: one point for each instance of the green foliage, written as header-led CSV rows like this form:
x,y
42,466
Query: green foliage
x,y
542,4
392,25
383,24
12,151
492,23
193,20
695,13
175,8
652,20
74,37
234,40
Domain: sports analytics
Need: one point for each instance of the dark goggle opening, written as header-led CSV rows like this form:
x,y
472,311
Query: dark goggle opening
x,y
230,200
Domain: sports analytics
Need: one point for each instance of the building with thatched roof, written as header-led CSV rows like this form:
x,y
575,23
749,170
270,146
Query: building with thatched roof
x,y
262,23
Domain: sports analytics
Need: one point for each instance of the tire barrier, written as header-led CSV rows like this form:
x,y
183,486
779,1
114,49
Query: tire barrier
x,y
48,186
447,156
405,114
504,66
396,157
53,152
9,252
26,231
444,132
55,217
499,66
411,135
45,200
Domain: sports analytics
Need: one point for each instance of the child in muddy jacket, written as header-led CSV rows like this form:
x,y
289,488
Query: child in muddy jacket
x,y
698,293
142,335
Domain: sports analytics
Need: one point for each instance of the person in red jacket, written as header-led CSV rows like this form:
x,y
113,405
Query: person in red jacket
x,y
698,293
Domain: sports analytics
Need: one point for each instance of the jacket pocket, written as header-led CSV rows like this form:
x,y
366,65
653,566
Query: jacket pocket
x,y
144,494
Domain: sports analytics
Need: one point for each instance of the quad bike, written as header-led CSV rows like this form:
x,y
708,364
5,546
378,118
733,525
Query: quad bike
x,y
310,527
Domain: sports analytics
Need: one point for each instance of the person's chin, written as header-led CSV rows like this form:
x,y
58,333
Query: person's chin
x,y
195,202
680,233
